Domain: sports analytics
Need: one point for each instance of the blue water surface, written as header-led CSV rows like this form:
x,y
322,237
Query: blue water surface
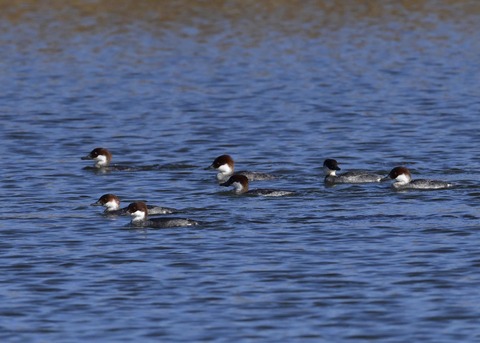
x,y
280,86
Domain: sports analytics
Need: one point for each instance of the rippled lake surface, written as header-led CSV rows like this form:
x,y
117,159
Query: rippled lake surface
x,y
280,86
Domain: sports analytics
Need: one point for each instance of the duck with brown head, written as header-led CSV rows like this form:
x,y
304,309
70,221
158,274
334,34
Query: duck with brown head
x,y
101,156
139,212
225,166
111,202
241,186
403,179
330,168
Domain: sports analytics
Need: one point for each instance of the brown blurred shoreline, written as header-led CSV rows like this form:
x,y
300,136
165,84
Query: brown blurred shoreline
x,y
108,12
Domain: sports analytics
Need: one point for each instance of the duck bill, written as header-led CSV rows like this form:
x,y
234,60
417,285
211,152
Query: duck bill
x,y
88,157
